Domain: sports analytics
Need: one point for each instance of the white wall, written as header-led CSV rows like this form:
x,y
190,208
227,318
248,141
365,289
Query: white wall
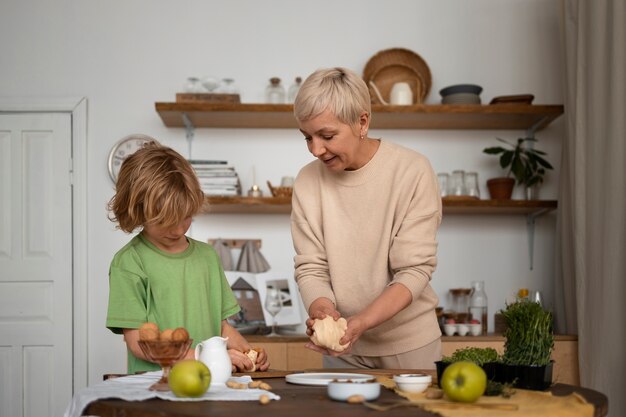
x,y
125,55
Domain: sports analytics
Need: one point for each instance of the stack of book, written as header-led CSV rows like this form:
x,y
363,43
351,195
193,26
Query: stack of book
x,y
216,178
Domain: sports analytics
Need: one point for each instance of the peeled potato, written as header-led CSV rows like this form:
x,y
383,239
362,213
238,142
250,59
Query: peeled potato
x,y
328,332
180,334
149,331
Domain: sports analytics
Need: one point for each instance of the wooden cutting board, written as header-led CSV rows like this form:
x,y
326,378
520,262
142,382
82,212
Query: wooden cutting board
x,y
271,373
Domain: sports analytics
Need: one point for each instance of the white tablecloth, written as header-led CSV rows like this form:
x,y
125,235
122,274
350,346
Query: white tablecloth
x,y
135,388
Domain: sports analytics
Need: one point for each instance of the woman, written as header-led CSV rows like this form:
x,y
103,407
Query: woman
x,y
364,222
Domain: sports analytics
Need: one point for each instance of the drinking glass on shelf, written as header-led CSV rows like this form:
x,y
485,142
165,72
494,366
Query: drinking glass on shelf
x,y
443,183
457,185
471,184
273,305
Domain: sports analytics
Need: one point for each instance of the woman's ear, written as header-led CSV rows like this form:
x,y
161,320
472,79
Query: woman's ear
x,y
364,124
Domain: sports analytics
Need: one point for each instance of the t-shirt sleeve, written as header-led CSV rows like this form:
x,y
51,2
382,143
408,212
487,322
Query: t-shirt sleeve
x,y
127,298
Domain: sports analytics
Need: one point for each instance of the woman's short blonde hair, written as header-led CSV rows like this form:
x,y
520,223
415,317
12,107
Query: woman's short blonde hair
x,y
339,90
155,186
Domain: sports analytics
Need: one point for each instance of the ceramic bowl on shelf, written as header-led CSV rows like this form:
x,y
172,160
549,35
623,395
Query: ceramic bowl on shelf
x,y
475,329
413,382
449,329
461,88
342,389
462,329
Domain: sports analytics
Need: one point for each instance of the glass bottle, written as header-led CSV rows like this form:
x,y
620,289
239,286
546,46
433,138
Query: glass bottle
x,y
293,90
275,92
478,304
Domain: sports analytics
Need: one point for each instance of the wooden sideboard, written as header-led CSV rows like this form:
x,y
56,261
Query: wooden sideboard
x,y
289,353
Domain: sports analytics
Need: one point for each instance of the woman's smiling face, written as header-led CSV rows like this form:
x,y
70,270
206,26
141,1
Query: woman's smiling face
x,y
333,142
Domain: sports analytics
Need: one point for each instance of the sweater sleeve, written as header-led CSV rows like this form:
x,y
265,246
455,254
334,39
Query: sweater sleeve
x,y
310,262
413,253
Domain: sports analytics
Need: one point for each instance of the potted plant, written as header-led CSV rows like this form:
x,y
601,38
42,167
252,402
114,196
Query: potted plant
x,y
524,162
486,358
529,340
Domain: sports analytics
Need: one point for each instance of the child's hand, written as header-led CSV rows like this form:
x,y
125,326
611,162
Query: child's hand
x,y
240,361
262,360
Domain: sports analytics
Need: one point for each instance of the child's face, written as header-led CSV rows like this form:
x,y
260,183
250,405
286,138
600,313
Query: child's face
x,y
169,239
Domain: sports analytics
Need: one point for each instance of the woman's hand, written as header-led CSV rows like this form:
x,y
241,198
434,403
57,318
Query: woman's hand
x,y
319,309
356,327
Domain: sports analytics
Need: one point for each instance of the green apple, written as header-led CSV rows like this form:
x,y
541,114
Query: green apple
x,y
189,378
464,381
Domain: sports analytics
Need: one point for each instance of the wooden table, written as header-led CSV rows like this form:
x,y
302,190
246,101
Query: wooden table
x,y
296,400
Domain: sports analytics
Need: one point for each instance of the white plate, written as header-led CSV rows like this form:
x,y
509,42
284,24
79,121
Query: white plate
x,y
323,378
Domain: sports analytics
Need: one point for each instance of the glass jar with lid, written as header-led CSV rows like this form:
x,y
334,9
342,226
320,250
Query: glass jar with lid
x,y
293,90
460,303
275,92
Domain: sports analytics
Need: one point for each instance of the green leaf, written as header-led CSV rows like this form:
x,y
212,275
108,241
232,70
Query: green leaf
x,y
543,162
505,159
494,150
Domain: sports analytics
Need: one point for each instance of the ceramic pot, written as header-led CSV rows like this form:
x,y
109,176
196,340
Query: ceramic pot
x,y
500,188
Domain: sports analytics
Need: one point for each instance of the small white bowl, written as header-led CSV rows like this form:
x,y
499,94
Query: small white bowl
x,y
413,382
475,329
462,329
343,389
449,329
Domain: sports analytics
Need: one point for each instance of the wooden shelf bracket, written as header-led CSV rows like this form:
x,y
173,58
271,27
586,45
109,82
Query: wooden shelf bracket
x,y
539,124
190,131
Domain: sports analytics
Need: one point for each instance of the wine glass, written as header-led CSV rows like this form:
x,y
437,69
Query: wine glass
x,y
165,353
273,304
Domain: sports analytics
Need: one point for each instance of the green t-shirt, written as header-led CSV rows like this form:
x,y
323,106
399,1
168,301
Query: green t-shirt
x,y
187,289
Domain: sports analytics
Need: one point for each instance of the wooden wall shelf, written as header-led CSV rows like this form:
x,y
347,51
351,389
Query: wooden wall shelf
x,y
282,205
528,117
420,116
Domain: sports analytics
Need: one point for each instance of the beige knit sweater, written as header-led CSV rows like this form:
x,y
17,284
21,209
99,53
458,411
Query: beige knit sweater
x,y
356,232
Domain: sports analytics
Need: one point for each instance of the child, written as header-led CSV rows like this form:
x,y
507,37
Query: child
x,y
161,275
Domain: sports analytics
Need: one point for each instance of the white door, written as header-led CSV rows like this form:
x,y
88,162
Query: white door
x,y
35,264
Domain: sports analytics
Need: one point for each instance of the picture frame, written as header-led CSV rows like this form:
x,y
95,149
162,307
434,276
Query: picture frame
x,y
290,314
286,284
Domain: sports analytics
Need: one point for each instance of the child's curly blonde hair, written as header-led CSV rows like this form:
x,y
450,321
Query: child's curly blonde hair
x,y
155,185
